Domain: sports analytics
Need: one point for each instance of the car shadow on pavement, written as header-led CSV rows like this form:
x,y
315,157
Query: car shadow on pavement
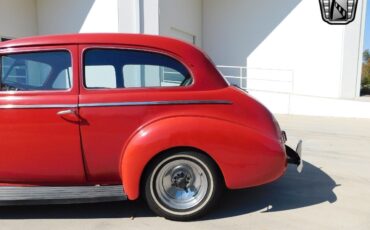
x,y
291,191
120,209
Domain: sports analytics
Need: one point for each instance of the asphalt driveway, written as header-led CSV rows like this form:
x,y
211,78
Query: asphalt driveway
x,y
333,192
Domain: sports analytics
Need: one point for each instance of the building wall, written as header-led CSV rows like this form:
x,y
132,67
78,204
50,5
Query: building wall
x,y
181,19
129,16
286,35
296,63
150,17
70,16
139,16
18,18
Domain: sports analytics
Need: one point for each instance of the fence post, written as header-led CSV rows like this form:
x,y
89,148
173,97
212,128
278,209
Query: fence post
x,y
241,77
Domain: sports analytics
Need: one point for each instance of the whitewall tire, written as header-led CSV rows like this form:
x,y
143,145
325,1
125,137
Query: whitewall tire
x,y
183,185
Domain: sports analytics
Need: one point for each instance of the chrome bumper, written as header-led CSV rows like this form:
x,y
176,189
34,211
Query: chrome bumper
x,y
295,157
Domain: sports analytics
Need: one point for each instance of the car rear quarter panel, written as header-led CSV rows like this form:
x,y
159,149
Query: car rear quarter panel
x,y
240,137
245,156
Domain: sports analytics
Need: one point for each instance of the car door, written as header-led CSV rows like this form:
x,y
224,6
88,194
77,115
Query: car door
x,y
39,127
122,89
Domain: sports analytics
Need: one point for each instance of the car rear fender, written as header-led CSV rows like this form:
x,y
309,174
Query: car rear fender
x,y
236,149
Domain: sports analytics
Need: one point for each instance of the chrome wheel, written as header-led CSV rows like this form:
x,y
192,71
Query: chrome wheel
x,y
181,184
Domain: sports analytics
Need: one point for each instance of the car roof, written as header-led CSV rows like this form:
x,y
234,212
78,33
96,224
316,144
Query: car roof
x,y
190,54
171,45
97,38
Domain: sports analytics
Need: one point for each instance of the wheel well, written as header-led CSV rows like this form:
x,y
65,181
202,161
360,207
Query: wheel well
x,y
174,150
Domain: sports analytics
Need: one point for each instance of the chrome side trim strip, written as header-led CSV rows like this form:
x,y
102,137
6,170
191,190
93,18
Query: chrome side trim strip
x,y
141,103
60,195
115,104
45,106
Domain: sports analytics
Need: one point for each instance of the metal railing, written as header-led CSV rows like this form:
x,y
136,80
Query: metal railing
x,y
259,79
169,76
235,75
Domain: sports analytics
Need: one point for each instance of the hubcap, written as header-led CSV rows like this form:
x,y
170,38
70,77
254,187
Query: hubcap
x,y
181,184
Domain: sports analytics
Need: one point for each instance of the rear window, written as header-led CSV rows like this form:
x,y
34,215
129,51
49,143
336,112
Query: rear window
x,y
110,68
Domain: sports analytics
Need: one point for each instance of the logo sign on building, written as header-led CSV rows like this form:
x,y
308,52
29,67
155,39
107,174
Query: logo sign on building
x,y
338,12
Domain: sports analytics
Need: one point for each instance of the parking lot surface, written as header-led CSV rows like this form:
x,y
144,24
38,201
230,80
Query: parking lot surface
x,y
333,192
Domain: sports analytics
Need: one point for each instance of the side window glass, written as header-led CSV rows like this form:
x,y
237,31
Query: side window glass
x,y
95,75
107,68
36,71
63,80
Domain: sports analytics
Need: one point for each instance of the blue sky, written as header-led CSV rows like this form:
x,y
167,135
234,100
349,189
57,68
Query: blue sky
x,y
367,28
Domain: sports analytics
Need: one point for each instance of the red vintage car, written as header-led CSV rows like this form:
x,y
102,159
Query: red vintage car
x,y
97,117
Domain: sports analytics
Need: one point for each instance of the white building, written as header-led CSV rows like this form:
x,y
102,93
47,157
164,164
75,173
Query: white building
x,y
293,61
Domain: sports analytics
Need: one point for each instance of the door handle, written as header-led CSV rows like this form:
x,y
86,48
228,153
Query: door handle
x,y
65,112
69,115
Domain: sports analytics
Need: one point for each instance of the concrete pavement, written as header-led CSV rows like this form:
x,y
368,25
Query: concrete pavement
x,y
333,192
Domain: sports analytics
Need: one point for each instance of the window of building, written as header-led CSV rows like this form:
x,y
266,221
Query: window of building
x,y
36,71
108,68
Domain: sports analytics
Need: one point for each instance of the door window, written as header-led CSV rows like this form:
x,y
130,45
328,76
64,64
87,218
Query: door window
x,y
36,71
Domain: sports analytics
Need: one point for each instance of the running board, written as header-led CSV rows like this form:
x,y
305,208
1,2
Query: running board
x,y
33,195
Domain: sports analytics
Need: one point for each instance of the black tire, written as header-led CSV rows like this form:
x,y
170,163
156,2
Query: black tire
x,y
180,166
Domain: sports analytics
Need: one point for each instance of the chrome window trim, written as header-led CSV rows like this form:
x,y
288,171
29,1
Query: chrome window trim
x,y
116,104
38,106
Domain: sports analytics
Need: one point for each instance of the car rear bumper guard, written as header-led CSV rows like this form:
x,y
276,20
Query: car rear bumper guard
x,y
295,156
